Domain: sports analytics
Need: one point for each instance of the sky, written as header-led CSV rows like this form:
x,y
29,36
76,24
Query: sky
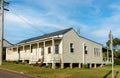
x,y
31,18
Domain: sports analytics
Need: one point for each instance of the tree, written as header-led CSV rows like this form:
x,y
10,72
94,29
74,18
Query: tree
x,y
116,44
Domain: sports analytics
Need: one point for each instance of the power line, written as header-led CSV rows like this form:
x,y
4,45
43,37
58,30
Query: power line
x,y
28,23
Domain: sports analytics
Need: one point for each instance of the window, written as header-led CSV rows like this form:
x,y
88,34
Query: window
x,y
56,48
96,51
85,49
71,47
49,50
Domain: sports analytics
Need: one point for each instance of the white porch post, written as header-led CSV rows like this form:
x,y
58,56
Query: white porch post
x,y
79,66
18,54
62,65
38,51
90,65
23,57
43,58
53,51
30,59
23,48
83,54
95,65
71,65
8,50
12,51
30,48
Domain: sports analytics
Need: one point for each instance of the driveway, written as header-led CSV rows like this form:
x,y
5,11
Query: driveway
x,y
11,74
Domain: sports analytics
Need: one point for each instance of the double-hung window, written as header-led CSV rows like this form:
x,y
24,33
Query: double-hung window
x,y
56,48
96,51
71,47
49,50
85,49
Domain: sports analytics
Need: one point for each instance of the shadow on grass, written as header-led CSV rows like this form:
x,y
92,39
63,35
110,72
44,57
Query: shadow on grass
x,y
116,74
107,74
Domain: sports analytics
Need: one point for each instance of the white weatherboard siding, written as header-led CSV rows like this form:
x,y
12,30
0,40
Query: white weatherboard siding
x,y
12,56
50,57
90,57
77,56
36,53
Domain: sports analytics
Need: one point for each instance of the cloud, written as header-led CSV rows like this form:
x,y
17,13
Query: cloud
x,y
101,32
107,24
13,18
87,15
115,7
55,13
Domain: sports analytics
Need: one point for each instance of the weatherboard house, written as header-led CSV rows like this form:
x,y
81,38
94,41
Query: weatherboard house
x,y
64,48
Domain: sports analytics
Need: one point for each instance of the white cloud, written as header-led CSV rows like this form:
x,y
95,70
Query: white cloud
x,y
13,18
101,32
109,23
54,14
115,6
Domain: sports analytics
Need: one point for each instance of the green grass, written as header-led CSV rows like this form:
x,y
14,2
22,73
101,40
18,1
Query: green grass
x,y
43,72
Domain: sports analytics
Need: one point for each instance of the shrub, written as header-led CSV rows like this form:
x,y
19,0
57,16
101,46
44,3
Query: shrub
x,y
117,61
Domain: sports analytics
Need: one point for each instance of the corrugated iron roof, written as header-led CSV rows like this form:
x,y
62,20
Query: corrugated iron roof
x,y
47,35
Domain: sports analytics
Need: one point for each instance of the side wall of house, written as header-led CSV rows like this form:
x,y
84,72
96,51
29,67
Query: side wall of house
x,y
79,56
94,52
76,56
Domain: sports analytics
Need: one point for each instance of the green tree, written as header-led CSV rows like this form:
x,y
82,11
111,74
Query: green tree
x,y
116,47
116,44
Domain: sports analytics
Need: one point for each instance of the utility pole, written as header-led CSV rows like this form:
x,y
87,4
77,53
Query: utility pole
x,y
2,26
111,48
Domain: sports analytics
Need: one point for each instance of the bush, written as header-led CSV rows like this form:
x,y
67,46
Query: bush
x,y
117,61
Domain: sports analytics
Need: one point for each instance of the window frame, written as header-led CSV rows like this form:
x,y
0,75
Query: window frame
x,y
56,48
71,47
96,52
85,49
49,50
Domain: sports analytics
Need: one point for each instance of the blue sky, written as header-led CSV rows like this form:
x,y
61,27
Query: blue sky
x,y
30,18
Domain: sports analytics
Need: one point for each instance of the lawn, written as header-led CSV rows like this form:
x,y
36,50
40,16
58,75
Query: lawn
x,y
43,72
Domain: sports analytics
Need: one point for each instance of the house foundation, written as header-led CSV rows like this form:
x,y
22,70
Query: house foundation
x,y
79,65
46,64
62,65
53,65
90,65
95,65
71,65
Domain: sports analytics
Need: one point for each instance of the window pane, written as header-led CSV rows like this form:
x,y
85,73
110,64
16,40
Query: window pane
x,y
31,49
56,48
85,49
96,51
71,47
49,50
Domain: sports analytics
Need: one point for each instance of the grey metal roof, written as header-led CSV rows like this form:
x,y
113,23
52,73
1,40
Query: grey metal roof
x,y
47,35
